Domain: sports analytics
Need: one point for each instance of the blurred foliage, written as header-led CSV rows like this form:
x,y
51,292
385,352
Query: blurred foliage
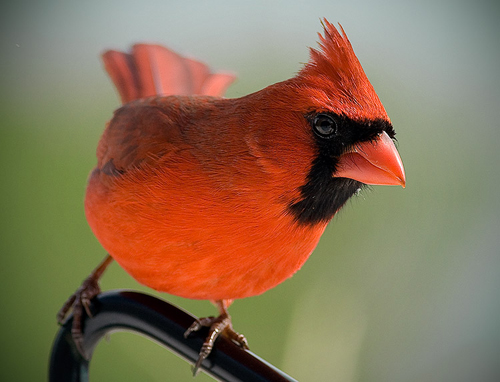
x,y
404,284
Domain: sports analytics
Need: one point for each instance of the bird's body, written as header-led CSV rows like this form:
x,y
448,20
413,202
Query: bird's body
x,y
185,212
211,198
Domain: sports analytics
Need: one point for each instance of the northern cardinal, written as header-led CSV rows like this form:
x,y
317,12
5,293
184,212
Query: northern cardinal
x,y
219,199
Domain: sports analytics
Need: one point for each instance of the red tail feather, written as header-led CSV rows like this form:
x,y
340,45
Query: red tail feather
x,y
155,70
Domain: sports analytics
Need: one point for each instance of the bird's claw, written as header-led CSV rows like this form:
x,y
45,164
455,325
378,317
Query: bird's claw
x,y
218,325
204,322
79,301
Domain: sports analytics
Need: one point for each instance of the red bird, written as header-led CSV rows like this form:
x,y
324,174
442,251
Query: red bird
x,y
219,199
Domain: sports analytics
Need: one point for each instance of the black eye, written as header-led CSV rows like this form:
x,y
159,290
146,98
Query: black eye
x,y
324,126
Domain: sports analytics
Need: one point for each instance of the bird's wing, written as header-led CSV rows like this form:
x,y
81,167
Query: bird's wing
x,y
141,132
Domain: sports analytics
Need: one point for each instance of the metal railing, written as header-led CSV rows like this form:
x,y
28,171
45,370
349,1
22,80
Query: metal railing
x,y
162,322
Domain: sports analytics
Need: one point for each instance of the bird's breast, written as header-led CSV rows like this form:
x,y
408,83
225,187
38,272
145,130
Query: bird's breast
x,y
180,231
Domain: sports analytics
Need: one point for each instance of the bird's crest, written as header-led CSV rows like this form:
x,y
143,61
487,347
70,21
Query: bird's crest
x,y
336,81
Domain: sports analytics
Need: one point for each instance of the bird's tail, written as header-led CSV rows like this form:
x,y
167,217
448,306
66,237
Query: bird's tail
x,y
150,70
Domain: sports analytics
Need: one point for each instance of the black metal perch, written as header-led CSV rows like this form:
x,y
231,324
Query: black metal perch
x,y
162,322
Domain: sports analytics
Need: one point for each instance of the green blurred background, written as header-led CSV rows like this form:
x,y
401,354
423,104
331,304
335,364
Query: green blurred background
x,y
404,285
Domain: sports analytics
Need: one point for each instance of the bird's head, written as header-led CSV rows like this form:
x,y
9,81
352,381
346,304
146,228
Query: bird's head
x,y
338,123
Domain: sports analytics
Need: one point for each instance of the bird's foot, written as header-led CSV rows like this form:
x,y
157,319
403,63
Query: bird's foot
x,y
218,325
80,301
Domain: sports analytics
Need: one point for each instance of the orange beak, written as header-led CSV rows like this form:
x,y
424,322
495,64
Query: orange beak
x,y
377,163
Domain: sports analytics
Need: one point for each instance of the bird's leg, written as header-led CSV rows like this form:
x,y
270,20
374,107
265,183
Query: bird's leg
x,y
80,300
218,325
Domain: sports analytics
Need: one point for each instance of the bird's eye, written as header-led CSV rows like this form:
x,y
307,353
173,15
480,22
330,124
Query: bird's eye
x,y
324,126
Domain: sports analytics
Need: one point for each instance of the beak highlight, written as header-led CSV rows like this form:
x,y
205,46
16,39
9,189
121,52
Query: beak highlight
x,y
376,163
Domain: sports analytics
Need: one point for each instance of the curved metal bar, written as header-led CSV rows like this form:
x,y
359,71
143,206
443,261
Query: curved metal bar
x,y
162,322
